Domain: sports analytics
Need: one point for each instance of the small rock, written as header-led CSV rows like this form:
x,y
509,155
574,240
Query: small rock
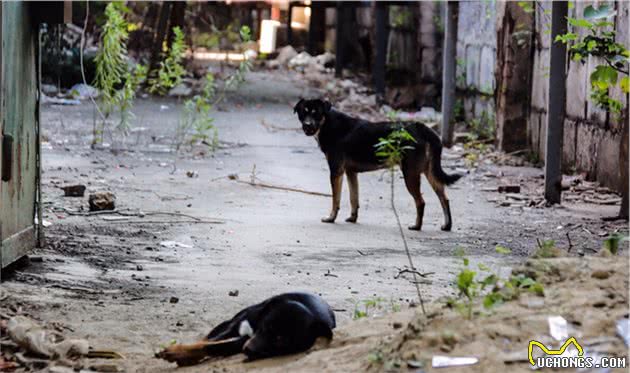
x,y
83,91
35,258
233,293
139,267
397,325
601,275
285,54
192,174
180,90
509,189
102,201
173,300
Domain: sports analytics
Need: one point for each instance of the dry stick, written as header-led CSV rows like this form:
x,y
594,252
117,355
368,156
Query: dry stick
x,y
402,235
407,270
270,186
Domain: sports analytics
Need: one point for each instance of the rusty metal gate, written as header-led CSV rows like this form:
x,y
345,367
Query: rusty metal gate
x,y
18,131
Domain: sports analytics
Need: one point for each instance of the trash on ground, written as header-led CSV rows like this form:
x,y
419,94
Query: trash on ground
x,y
74,190
100,201
83,91
59,101
623,330
447,361
558,328
174,244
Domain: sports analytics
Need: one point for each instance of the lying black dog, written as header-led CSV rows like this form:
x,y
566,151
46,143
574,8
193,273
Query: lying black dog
x,y
283,324
349,146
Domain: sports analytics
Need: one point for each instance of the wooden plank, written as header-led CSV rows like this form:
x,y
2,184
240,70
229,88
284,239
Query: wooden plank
x,y
17,246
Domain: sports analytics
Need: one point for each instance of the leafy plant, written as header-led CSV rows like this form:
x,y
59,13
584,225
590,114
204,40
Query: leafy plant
x,y
245,66
376,303
111,61
599,42
611,243
391,150
197,120
546,249
124,97
483,285
171,71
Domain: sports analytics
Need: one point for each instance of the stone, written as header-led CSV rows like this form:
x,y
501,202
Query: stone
x,y
285,54
74,190
180,90
101,201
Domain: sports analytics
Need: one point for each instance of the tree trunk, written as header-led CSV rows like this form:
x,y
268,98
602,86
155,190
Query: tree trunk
x,y
513,76
556,104
448,72
160,34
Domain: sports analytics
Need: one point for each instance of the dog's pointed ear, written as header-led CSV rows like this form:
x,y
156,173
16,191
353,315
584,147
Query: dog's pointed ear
x,y
298,105
327,106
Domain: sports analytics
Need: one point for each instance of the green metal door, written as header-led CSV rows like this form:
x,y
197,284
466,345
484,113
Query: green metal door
x,y
18,131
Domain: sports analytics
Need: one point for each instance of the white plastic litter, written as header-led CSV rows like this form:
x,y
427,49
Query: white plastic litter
x,y
447,361
623,330
174,244
558,328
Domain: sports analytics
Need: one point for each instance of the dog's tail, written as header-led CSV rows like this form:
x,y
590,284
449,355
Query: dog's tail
x,y
436,160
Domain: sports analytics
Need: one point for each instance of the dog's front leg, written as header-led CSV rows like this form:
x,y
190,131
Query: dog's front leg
x,y
336,181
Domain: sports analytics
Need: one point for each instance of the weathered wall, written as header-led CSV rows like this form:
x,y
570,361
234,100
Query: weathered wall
x,y
476,50
591,136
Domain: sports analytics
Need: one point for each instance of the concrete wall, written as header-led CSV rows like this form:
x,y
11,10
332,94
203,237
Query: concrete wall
x,y
476,51
591,136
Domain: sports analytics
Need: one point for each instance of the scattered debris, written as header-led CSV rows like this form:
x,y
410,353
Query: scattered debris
x,y
59,101
174,245
623,330
233,293
447,361
558,328
173,300
180,90
100,201
285,54
270,186
509,189
192,174
83,91
74,190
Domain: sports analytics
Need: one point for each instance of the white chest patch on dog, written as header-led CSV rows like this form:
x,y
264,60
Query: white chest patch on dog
x,y
245,329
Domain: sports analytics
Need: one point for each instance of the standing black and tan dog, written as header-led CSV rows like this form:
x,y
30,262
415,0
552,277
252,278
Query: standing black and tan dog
x,y
349,146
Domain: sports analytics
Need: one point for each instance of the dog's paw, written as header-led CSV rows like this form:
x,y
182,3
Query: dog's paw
x,y
446,227
415,227
329,219
352,219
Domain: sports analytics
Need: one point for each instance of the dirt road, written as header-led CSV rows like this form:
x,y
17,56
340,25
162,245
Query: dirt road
x,y
131,283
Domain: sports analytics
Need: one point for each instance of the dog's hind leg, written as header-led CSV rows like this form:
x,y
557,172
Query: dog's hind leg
x,y
336,181
412,182
439,189
353,184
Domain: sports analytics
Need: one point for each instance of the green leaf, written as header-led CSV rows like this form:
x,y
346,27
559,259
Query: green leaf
x,y
625,84
579,22
603,77
502,250
604,11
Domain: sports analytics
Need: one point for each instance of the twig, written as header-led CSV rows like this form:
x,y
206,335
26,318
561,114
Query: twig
x,y
289,189
402,235
407,270
168,222
273,128
362,253
135,214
